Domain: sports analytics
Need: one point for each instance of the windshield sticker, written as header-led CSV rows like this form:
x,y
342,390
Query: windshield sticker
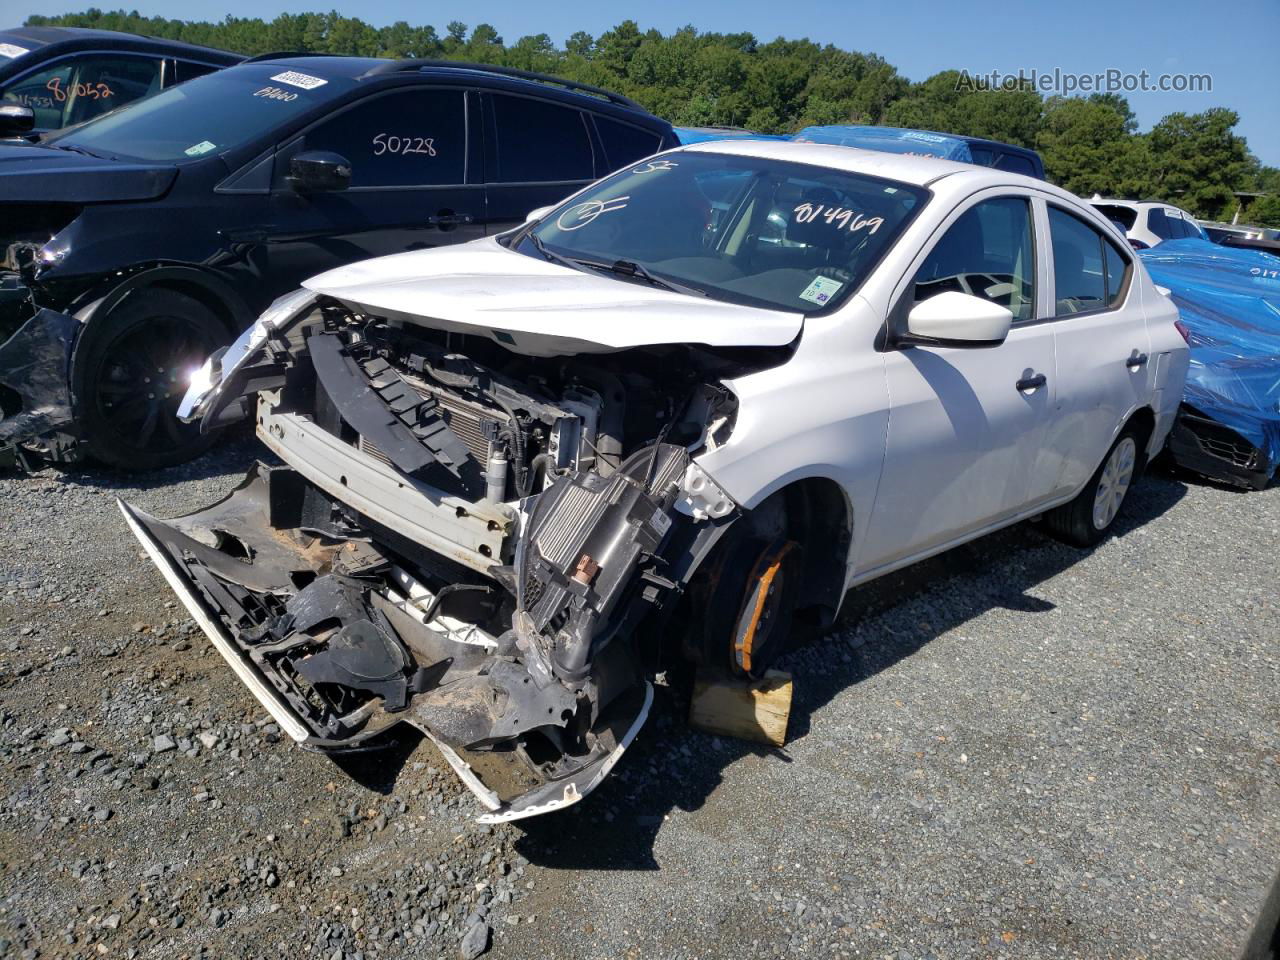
x,y
203,147
295,79
837,216
656,166
580,215
385,143
275,93
12,50
820,290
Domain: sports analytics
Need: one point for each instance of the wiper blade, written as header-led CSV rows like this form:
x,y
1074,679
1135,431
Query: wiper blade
x,y
74,149
629,268
548,255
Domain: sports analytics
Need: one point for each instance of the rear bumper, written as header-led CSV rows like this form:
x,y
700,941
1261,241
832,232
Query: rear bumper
x,y
1206,446
339,642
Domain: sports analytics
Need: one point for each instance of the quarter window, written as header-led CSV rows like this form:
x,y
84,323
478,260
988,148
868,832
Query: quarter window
x,y
1089,272
624,143
409,138
539,142
987,253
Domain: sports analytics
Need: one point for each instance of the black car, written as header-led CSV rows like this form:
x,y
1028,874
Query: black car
x,y
66,75
136,244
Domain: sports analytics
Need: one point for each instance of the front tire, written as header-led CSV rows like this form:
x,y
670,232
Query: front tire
x,y
131,372
1085,521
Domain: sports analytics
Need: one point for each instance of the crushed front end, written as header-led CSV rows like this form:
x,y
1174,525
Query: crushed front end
x,y
476,542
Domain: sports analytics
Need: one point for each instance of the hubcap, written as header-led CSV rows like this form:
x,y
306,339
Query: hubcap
x,y
1117,474
142,380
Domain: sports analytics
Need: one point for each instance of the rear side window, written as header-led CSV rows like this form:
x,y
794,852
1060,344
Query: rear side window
x,y
1160,225
1015,164
539,141
408,138
1089,273
624,143
188,70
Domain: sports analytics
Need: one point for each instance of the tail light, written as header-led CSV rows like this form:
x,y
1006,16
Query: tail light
x,y
1183,329
1138,244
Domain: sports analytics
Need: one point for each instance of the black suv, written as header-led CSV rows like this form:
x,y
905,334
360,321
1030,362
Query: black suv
x,y
54,77
136,244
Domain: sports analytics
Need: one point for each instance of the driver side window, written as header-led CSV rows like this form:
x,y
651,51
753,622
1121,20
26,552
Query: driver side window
x,y
987,253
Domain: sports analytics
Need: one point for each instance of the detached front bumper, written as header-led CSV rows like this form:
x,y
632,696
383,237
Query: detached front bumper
x,y
35,379
339,641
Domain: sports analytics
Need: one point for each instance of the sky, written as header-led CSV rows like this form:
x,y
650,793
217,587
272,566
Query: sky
x,y
1235,42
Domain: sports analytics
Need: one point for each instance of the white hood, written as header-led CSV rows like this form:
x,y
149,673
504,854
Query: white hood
x,y
542,308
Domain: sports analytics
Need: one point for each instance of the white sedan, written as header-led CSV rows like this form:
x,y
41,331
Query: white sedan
x,y
681,413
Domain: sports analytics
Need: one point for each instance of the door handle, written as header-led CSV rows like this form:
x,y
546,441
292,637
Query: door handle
x,y
1027,384
1136,361
449,219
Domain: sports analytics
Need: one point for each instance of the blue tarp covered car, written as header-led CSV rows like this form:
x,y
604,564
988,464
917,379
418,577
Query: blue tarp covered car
x,y
688,135
1229,300
927,143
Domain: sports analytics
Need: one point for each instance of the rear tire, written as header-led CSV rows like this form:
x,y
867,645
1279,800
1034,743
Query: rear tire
x,y
131,371
1084,521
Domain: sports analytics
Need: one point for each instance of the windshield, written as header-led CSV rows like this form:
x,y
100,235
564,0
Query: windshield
x,y
743,229
207,115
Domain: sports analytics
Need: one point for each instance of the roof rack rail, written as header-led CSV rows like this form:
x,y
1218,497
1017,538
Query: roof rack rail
x,y
277,54
397,66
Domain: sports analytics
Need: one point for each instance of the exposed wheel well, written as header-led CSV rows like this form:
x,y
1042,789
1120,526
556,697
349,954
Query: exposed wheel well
x,y
817,515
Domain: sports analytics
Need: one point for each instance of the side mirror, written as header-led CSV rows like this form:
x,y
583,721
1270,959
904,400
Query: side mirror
x,y
16,119
319,171
539,212
955,319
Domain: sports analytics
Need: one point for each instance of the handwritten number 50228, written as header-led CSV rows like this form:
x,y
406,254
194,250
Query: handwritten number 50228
x,y
385,143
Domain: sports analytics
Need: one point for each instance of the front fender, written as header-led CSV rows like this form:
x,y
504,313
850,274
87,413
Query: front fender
x,y
35,363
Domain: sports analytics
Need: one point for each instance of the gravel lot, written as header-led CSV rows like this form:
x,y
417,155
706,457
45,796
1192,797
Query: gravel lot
x,y
1015,750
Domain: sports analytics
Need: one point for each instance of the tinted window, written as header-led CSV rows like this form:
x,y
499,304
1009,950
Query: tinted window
x,y
539,141
624,143
984,156
1117,273
81,88
209,115
986,253
187,70
1125,216
403,139
1015,164
1159,224
1078,271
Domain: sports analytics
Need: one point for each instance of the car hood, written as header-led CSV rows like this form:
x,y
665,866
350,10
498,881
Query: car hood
x,y
30,173
535,307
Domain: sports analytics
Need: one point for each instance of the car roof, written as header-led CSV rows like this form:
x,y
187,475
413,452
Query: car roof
x,y
81,38
917,171
374,69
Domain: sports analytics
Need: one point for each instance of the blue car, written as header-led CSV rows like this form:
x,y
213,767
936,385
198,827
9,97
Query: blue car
x,y
143,240
926,143
690,135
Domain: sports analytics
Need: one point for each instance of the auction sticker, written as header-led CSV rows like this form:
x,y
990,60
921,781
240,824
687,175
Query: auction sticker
x,y
303,80
821,290
204,146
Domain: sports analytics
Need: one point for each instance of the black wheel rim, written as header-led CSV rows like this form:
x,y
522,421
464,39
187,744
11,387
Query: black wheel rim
x,y
141,380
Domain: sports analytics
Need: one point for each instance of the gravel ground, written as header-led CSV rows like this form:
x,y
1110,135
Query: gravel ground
x,y
1014,750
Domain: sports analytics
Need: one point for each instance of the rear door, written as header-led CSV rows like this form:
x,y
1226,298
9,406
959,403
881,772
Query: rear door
x,y
414,183
537,152
1102,344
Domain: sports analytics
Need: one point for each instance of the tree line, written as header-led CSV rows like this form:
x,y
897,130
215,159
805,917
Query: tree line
x,y
1089,144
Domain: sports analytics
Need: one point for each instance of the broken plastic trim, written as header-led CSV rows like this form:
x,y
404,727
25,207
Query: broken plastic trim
x,y
35,363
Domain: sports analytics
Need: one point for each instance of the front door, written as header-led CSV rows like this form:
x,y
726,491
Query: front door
x,y
966,425
411,186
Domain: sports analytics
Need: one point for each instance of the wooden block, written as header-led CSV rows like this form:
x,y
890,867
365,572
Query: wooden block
x,y
748,711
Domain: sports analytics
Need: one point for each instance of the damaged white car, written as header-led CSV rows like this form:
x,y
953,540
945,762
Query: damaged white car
x,y
678,415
